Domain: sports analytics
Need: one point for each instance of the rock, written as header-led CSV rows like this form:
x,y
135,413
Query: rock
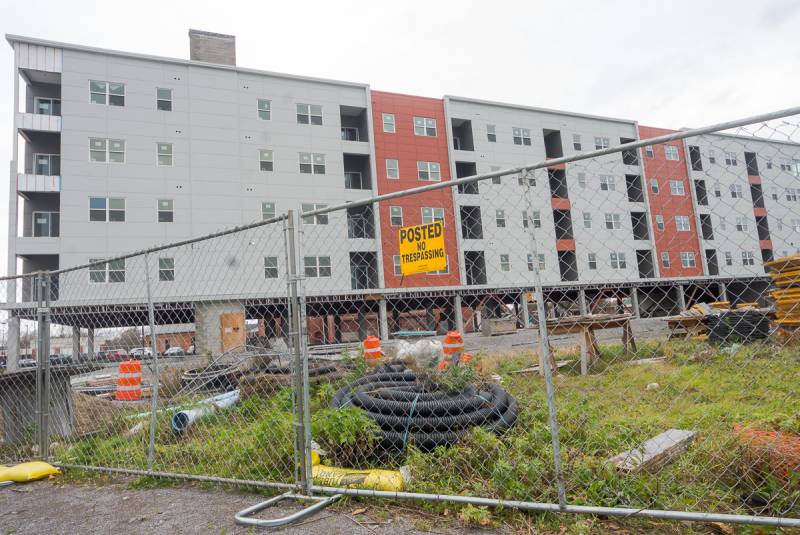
x,y
653,386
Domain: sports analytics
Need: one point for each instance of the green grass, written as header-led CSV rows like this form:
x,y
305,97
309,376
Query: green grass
x,y
700,387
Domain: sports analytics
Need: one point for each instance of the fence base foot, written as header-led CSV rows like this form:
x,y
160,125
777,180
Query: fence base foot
x,y
243,516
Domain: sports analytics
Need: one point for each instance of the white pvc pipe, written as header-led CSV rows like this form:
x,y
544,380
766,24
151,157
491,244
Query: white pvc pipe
x,y
184,419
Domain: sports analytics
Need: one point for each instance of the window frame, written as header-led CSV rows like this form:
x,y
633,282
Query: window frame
x,y
521,134
491,133
688,259
318,219
170,211
392,216
601,142
505,262
392,123
166,273
168,156
591,260
614,219
52,100
390,169
160,99
665,260
660,225
672,150
313,166
677,188
426,124
587,220
268,268
679,223
577,145
500,218
266,160
426,220
317,267
655,188
107,93
617,260
426,167
264,112
268,210
308,112
608,183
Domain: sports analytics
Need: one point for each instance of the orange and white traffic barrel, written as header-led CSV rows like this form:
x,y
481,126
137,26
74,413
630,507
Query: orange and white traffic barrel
x,y
372,348
129,381
453,346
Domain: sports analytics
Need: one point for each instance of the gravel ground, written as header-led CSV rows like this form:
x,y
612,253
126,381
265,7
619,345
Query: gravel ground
x,y
52,507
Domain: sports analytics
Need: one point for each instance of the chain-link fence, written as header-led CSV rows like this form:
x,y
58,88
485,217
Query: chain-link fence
x,y
606,332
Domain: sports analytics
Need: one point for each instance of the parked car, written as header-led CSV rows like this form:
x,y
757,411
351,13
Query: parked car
x,y
60,360
99,355
174,352
139,352
115,355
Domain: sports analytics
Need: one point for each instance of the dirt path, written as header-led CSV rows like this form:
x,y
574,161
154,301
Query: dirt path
x,y
47,507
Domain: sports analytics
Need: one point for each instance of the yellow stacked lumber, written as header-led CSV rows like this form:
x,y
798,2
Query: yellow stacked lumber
x,y
785,274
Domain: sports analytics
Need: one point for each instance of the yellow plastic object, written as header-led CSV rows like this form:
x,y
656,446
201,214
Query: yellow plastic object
x,y
330,476
25,472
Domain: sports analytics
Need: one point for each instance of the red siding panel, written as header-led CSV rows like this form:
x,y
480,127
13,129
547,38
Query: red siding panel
x,y
408,149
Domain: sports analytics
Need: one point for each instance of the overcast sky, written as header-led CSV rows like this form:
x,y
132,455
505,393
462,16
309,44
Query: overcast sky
x,y
671,64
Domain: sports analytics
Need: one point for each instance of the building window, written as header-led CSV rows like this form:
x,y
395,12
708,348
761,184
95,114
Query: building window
x,y
429,171
613,221
317,266
312,163
47,106
396,216
491,133
264,110
500,218
736,191
522,136
654,185
45,224
587,220
116,270
265,160
582,180
111,93
106,150
267,210
712,156
112,271
682,223
165,211
388,123
355,180
536,219
601,143
717,190
607,183
164,156
495,179
774,193
785,165
791,194
617,260
592,261
166,269
392,169
748,259
319,219
106,209
429,215
309,114
270,267
424,126
396,265
163,99
671,153
541,262
687,259
730,159
527,178
796,225
728,258
742,224
659,222
676,187
648,151
576,142
505,263
665,259
47,164
97,272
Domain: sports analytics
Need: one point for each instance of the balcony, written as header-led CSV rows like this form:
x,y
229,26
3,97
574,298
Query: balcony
x,y
38,183
462,134
37,122
354,123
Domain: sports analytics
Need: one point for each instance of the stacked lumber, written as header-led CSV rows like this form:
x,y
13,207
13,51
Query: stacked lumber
x,y
785,274
654,453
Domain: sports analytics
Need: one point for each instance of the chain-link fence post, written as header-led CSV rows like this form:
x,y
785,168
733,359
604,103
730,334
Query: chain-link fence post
x,y
154,370
299,363
544,347
42,283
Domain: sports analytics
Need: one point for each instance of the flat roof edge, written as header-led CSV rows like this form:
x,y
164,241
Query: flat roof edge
x,y
540,110
11,38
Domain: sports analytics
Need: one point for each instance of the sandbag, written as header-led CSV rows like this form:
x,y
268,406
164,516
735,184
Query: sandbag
x,y
25,472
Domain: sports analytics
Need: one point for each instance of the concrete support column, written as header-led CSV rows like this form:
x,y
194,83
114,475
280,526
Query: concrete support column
x,y
524,313
635,302
458,313
383,320
76,343
723,291
582,302
90,342
362,322
12,343
679,290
